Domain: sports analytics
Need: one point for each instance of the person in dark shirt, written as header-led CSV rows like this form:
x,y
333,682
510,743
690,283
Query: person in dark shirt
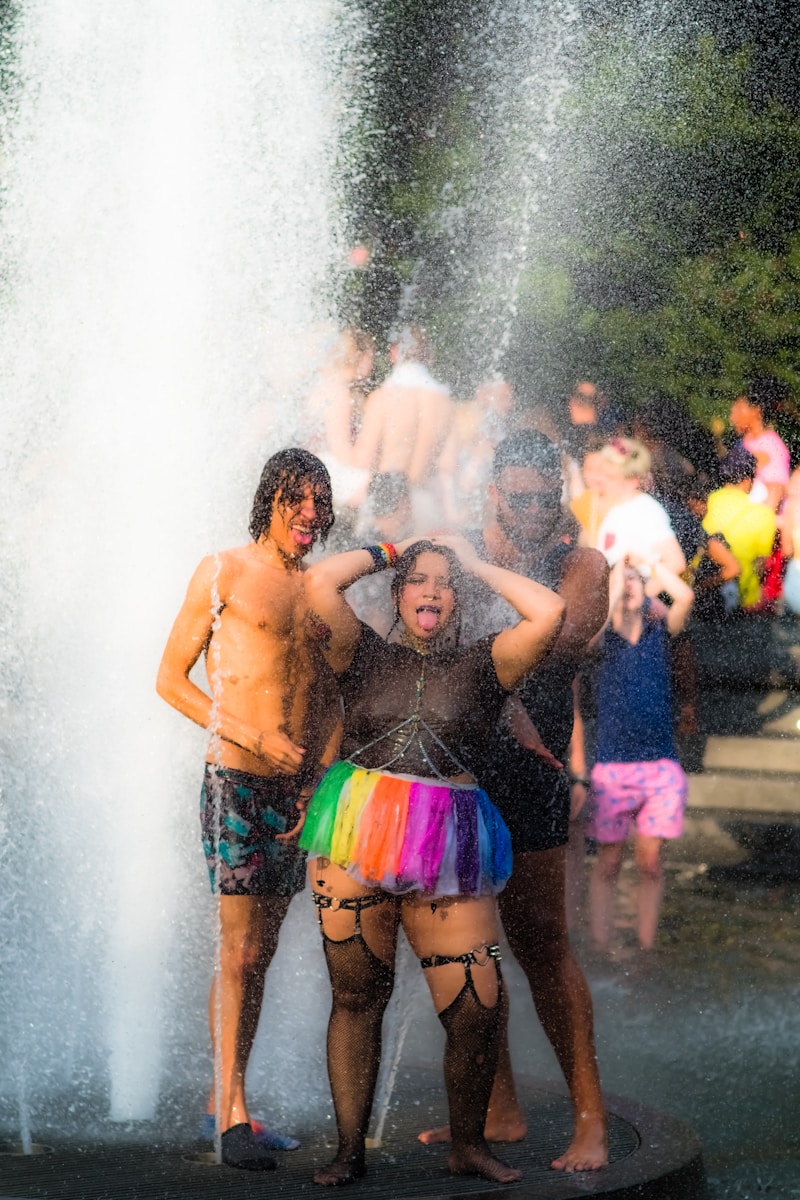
x,y
531,534
399,831
636,777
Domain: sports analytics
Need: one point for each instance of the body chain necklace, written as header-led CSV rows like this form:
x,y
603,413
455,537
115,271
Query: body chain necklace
x,y
415,725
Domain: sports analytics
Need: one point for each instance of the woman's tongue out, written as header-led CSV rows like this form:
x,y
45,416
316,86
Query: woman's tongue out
x,y
427,618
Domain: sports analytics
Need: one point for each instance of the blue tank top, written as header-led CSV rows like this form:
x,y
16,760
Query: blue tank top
x,y
634,697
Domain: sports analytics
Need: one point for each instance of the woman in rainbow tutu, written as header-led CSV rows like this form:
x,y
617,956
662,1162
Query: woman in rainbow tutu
x,y
398,830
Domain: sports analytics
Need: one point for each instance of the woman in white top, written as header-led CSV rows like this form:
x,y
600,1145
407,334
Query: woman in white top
x,y
635,522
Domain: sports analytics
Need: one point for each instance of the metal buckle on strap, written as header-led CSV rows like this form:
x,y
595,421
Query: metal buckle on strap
x,y
479,957
349,903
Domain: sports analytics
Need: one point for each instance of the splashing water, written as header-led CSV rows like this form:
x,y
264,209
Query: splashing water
x,y
171,226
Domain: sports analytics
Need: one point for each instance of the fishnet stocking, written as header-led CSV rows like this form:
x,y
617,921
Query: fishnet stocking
x,y
470,1059
361,985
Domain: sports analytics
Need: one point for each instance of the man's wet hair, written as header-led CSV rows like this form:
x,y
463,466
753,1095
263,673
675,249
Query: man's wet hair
x,y
737,465
528,448
387,490
290,472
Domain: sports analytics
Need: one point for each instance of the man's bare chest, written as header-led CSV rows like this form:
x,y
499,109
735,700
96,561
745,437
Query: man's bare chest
x,y
276,613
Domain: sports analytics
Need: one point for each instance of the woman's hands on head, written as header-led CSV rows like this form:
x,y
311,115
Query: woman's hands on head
x,y
464,550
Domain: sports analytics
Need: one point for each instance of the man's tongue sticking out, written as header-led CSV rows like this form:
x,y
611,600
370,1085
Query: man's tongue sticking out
x,y
427,619
302,537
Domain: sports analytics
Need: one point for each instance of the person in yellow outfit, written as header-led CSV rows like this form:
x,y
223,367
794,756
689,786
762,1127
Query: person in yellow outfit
x,y
748,528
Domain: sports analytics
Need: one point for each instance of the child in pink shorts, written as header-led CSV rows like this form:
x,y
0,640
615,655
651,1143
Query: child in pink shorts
x,y
636,779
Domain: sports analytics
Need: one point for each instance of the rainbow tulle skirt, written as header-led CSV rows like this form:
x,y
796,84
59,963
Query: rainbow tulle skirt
x,y
404,834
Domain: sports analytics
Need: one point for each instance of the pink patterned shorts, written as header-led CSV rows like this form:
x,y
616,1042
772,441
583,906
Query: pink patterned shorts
x,y
651,793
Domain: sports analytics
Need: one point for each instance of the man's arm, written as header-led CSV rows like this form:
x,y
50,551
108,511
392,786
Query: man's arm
x,y
728,565
584,590
579,785
368,443
189,637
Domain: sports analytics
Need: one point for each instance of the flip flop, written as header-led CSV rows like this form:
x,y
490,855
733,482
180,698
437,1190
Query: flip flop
x,y
270,1139
240,1149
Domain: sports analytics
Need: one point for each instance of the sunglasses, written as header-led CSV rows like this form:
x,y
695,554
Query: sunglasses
x,y
519,501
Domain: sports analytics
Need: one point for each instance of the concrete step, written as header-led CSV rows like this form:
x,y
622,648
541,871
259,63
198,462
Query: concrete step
x,y
755,793
771,754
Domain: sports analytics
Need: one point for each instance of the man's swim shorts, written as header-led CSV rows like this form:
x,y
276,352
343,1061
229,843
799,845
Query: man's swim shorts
x,y
241,814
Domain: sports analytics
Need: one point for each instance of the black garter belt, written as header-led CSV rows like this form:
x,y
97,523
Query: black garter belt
x,y
349,904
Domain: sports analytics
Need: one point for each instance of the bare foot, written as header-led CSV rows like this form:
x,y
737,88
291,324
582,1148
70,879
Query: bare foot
x,y
498,1129
340,1172
434,1137
588,1150
479,1160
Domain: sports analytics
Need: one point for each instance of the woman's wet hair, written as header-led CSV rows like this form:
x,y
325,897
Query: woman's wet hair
x,y
528,448
408,560
290,472
406,565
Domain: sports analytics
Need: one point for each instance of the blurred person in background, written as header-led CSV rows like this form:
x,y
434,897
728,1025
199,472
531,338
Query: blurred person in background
x,y
636,777
588,502
748,528
386,517
407,421
635,522
589,414
330,412
789,527
466,461
713,568
751,417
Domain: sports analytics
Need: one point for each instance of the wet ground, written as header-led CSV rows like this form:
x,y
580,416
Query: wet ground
x,y
706,1028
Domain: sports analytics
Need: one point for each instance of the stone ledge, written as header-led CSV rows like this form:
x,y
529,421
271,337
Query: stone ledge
x,y
773,754
743,793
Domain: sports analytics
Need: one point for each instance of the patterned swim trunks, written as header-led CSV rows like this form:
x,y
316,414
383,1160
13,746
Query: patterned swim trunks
x,y
653,794
243,813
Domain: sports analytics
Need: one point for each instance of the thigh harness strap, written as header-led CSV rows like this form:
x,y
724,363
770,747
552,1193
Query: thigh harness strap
x,y
353,904
477,957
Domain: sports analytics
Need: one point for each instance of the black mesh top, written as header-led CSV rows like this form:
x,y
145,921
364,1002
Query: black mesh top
x,y
429,715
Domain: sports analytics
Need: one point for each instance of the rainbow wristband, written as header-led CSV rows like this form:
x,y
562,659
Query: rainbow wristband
x,y
380,560
383,555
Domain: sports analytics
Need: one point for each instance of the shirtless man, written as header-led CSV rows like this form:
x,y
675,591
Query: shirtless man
x,y
330,411
466,461
524,777
406,423
273,723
